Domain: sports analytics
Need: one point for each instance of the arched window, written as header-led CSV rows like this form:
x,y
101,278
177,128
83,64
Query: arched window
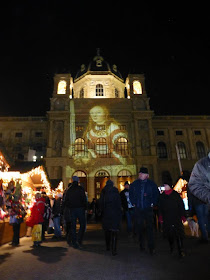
x,y
79,147
102,173
137,89
99,90
79,173
116,93
182,150
122,146
162,150
101,147
81,94
124,173
62,87
200,150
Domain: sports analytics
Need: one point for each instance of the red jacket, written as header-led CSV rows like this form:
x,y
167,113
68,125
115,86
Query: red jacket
x,y
37,212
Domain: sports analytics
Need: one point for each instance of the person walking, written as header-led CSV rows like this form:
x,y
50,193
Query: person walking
x,y
75,199
128,208
171,214
56,211
199,193
36,219
66,216
144,195
110,204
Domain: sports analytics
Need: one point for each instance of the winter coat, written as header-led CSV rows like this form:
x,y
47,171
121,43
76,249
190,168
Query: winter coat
x,y
143,194
56,210
75,197
171,208
199,183
37,212
110,204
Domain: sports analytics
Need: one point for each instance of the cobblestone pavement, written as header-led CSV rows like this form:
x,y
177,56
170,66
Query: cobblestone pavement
x,y
56,260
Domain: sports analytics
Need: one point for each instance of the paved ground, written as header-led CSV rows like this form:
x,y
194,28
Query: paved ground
x,y
56,260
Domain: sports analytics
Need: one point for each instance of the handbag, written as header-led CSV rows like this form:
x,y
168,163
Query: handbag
x,y
37,233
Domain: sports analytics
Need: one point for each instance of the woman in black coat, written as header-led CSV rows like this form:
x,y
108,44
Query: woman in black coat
x,y
172,213
110,203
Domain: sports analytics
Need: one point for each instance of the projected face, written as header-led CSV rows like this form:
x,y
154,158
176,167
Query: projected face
x,y
98,114
102,138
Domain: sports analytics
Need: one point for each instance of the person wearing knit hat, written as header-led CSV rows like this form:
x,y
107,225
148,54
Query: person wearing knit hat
x,y
171,215
144,195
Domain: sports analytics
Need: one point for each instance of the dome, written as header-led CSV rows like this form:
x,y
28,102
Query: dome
x,y
98,64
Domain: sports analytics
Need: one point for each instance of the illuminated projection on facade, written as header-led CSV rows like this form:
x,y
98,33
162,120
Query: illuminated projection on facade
x,y
97,135
93,119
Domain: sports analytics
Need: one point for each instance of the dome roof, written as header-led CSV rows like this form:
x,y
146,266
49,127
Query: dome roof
x,y
98,64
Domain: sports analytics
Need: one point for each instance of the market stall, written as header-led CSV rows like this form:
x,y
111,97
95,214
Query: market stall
x,y
19,185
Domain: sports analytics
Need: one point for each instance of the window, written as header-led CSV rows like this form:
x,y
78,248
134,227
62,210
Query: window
x,y
160,132
62,87
79,174
197,132
18,134
20,156
99,90
200,150
81,94
79,147
162,150
102,173
101,147
79,128
137,89
38,134
116,93
182,150
122,127
17,148
122,146
124,173
179,132
38,147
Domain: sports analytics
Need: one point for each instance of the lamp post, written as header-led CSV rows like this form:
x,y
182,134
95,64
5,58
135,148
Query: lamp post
x,y
179,160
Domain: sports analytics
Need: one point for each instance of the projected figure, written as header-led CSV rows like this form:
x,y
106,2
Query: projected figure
x,y
102,134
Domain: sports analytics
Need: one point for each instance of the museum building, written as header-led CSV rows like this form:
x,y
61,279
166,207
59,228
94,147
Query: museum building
x,y
100,126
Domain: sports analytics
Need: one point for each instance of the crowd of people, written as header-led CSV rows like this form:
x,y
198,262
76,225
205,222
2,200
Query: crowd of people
x,y
141,203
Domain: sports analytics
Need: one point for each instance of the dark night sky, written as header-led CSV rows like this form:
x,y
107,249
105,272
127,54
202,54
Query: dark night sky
x,y
169,44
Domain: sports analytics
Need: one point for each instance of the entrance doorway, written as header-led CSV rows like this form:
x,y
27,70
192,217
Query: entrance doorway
x,y
101,178
82,178
122,177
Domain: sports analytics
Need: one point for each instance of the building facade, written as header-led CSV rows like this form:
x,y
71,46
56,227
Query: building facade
x,y
100,126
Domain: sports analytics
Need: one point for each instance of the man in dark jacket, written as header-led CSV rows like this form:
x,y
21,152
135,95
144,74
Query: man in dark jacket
x,y
199,193
76,200
144,195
